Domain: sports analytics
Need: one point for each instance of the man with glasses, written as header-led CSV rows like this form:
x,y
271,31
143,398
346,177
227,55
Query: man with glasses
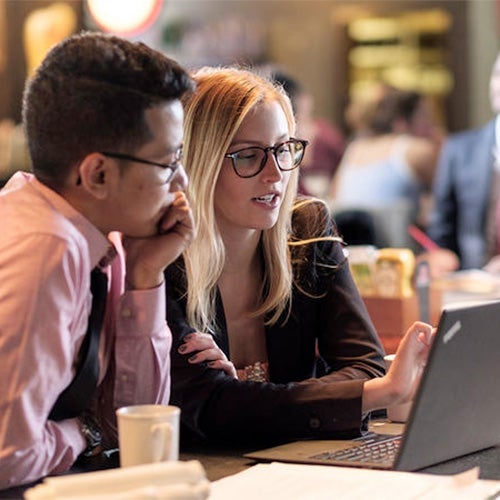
x,y
104,125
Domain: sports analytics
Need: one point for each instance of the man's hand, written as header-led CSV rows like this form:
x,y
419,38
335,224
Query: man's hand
x,y
441,262
493,265
146,258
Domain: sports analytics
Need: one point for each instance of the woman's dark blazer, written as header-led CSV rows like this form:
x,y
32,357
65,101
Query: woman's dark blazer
x,y
326,311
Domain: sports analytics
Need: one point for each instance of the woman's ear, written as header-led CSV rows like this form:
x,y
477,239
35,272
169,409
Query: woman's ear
x,y
94,175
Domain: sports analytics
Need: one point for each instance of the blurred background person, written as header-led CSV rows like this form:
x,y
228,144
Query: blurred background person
x,y
390,165
361,107
326,142
465,218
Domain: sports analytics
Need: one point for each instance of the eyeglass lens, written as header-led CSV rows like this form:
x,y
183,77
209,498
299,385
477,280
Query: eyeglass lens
x,y
250,161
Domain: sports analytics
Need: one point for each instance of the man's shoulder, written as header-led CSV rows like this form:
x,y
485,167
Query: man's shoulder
x,y
25,212
471,136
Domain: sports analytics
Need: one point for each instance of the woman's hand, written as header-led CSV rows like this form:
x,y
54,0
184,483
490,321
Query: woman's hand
x,y
206,350
402,380
406,370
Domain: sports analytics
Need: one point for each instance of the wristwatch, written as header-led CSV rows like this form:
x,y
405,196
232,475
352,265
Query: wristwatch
x,y
91,431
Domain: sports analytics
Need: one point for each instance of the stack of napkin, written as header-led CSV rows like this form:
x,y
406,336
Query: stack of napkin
x,y
162,480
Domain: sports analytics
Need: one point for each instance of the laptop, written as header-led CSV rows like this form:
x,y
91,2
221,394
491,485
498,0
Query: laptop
x,y
456,410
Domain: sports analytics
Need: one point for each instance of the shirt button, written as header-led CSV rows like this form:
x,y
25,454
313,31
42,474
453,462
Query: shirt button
x,y
314,423
124,378
126,312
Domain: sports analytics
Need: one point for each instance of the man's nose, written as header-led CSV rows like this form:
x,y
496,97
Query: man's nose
x,y
179,180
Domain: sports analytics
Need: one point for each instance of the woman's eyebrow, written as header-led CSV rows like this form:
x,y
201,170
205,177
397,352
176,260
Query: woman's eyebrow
x,y
250,142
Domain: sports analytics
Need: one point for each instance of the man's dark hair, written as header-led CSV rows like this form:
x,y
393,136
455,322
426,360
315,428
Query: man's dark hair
x,y
90,94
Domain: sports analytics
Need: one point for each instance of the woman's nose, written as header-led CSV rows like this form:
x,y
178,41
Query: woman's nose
x,y
271,169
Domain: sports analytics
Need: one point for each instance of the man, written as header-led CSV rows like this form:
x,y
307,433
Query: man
x,y
466,189
104,126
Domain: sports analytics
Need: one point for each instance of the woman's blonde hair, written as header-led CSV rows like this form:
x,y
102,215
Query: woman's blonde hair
x,y
213,114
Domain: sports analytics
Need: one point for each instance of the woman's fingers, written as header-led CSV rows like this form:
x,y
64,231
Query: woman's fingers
x,y
197,341
202,348
212,354
226,366
405,372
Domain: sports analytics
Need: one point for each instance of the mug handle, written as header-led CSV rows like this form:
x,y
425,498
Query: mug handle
x,y
162,438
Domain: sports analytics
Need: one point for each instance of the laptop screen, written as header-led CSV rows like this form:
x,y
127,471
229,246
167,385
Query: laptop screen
x,y
457,406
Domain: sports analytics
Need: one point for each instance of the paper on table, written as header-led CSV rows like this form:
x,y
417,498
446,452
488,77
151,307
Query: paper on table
x,y
162,480
279,481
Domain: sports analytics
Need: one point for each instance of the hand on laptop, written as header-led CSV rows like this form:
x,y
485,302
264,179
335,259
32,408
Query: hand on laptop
x,y
401,381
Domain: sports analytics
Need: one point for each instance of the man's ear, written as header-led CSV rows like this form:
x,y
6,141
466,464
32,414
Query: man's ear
x,y
95,174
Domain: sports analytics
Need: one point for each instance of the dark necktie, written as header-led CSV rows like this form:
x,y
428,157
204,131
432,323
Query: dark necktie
x,y
77,397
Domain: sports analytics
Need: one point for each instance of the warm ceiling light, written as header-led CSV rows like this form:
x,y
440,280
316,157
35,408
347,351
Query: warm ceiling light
x,y
124,17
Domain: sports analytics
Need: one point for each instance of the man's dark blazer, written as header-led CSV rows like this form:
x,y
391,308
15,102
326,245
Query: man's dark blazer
x,y
462,190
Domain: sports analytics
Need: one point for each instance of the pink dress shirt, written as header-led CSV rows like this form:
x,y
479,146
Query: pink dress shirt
x,y
47,250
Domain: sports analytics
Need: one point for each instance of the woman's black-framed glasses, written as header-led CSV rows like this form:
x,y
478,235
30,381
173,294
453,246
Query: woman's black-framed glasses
x,y
248,162
170,167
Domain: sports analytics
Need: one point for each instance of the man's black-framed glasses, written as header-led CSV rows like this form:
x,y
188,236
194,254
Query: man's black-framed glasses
x,y
170,167
248,162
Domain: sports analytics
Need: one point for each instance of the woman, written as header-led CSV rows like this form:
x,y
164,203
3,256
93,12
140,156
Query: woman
x,y
267,280
392,168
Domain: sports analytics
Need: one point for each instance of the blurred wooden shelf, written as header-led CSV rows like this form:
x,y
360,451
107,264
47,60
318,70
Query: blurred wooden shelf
x,y
393,316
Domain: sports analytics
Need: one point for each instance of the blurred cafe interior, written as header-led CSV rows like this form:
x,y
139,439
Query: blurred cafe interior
x,y
344,57
339,51
334,47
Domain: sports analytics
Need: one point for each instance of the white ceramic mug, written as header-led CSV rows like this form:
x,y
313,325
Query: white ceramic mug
x,y
401,412
148,433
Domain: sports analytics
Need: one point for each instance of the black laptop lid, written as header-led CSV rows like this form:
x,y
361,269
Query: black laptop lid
x,y
457,407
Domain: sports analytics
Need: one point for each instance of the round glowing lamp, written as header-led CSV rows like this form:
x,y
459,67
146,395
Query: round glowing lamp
x,y
124,17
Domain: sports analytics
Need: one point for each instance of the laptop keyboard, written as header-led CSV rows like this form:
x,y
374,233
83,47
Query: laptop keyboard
x,y
373,448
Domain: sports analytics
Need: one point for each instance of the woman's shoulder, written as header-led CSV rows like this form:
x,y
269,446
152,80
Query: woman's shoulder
x,y
315,245
368,150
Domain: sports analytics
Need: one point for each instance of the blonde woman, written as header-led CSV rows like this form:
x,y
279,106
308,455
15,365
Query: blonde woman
x,y
267,283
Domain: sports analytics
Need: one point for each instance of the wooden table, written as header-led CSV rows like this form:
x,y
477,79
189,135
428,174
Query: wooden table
x,y
220,462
